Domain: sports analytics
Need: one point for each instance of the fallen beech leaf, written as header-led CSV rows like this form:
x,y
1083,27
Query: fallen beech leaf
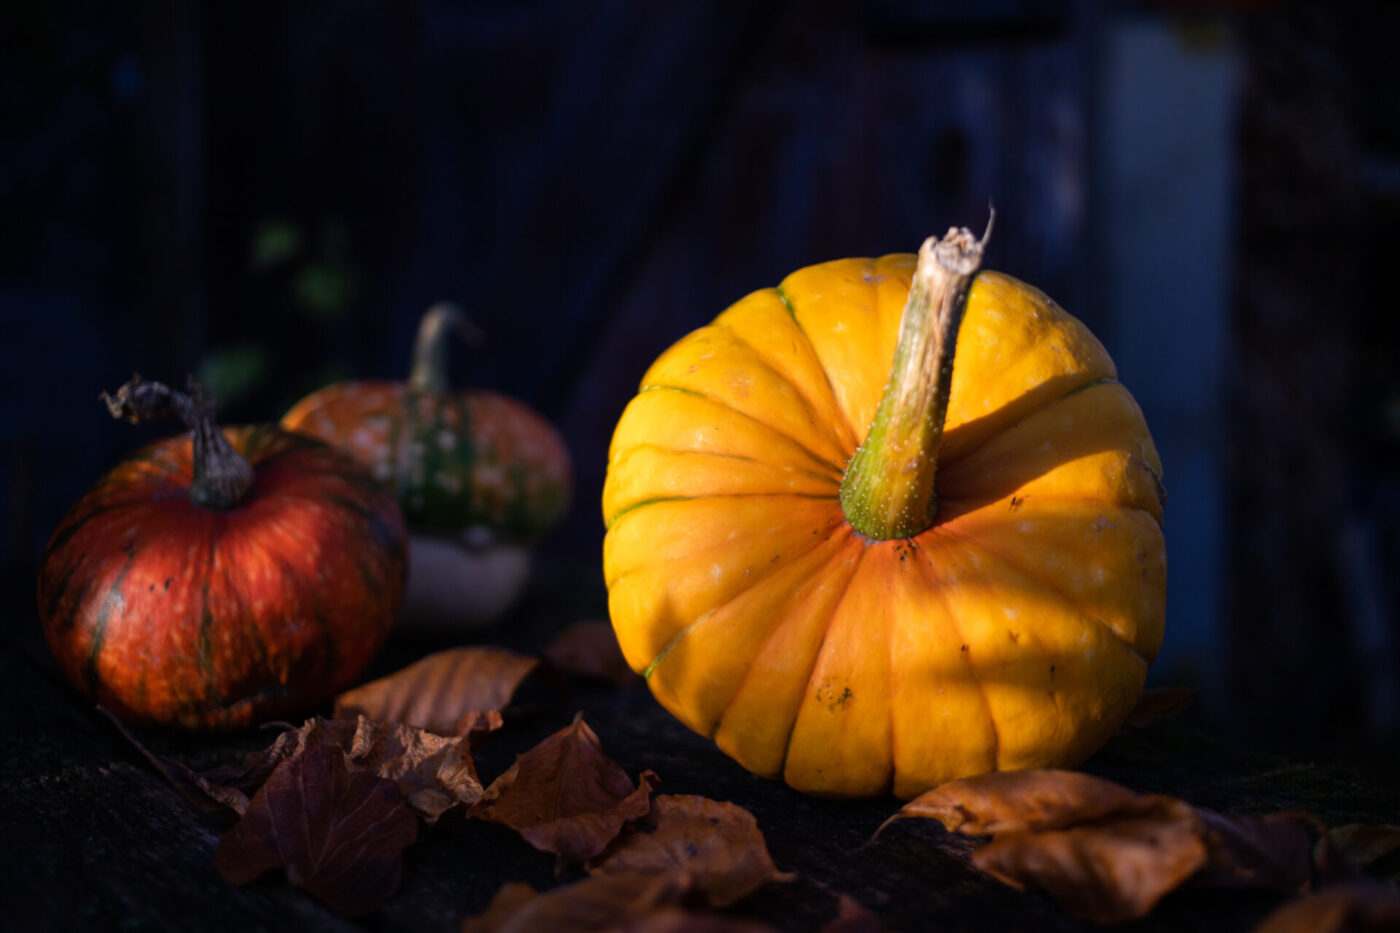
x,y
1363,907
1109,854
1363,846
433,772
1157,704
1106,873
212,794
717,844
852,917
1024,801
566,796
443,692
590,649
593,904
337,833
1273,850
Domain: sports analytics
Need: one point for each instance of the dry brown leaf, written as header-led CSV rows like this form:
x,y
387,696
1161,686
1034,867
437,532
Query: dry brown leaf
x,y
606,904
213,792
590,649
1107,853
717,844
852,917
433,772
566,796
1157,704
1107,873
1363,907
1273,850
594,904
444,692
676,920
1363,846
337,833
1024,801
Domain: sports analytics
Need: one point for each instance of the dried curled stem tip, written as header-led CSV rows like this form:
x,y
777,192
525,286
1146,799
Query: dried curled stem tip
x,y
429,372
221,475
960,252
139,400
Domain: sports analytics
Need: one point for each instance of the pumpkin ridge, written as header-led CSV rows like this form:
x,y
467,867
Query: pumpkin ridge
x,y
752,582
857,431
833,476
817,423
928,568
68,529
817,657
992,436
817,458
958,515
836,552
1051,587
204,648
732,495
99,625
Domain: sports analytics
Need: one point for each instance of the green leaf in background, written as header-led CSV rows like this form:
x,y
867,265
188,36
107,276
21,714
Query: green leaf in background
x,y
274,243
323,291
233,373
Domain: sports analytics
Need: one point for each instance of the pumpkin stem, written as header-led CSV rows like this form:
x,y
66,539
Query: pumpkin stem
x,y
429,372
888,489
221,475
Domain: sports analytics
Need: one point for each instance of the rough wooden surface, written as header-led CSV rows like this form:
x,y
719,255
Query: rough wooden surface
x,y
96,840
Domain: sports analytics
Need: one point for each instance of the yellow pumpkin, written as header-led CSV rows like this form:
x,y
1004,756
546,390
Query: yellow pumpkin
x,y
973,580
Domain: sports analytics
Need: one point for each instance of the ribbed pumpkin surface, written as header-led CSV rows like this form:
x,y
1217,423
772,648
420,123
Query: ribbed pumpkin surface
x,y
1014,633
453,459
167,612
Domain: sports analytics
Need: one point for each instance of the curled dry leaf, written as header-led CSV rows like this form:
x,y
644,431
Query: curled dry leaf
x,y
1271,850
566,796
852,917
434,773
1107,873
614,903
1365,847
1157,704
337,833
590,649
444,692
1107,853
1363,907
1024,801
211,791
589,905
718,845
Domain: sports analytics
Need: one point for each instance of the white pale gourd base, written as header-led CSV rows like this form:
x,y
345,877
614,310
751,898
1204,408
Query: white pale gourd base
x,y
461,584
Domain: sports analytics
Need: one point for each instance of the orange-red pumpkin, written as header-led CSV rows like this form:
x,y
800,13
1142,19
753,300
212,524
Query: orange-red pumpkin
x,y
866,578
222,578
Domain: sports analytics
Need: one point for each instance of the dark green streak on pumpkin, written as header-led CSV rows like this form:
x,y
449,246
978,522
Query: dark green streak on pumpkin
x,y
112,601
70,528
383,535
57,593
204,647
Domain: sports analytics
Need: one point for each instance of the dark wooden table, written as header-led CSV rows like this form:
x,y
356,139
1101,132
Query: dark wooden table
x,y
95,839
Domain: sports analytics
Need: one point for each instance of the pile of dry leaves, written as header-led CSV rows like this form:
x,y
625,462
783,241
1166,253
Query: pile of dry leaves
x,y
334,804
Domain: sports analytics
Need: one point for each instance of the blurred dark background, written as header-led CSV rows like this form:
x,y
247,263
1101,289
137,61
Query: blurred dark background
x,y
268,194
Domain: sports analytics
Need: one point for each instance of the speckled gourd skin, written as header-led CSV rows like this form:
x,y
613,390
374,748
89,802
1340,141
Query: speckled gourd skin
x,y
453,459
1015,632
